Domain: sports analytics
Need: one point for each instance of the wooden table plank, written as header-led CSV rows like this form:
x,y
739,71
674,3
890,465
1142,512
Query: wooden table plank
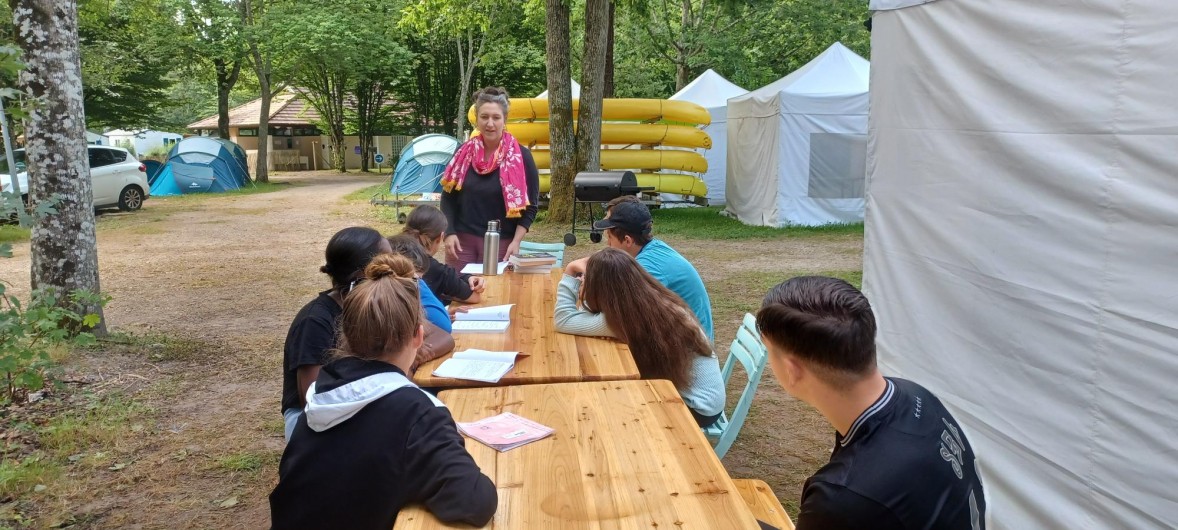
x,y
553,357
625,455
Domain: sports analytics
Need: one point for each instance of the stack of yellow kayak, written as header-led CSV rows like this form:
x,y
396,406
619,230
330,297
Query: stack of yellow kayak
x,y
633,129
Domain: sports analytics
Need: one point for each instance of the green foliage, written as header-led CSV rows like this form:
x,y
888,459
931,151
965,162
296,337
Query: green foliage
x,y
19,476
28,332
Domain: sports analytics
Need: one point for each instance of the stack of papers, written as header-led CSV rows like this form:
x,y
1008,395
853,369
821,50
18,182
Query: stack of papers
x,y
505,431
533,262
477,268
490,319
478,365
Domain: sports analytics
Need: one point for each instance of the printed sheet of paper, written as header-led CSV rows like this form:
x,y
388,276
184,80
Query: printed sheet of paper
x,y
480,326
473,370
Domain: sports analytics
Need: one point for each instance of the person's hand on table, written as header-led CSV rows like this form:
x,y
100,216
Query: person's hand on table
x,y
477,284
512,249
455,309
453,247
576,268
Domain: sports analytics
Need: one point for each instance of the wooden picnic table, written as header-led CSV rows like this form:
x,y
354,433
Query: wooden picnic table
x,y
624,455
552,357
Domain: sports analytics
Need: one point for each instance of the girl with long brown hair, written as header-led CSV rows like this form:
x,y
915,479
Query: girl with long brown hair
x,y
620,299
370,441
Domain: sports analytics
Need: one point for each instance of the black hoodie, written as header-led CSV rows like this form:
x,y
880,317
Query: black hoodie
x,y
369,443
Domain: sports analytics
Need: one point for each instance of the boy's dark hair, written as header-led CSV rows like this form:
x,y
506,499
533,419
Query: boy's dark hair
x,y
825,321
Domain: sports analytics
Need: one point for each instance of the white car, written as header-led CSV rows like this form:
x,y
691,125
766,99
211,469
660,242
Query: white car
x,y
117,177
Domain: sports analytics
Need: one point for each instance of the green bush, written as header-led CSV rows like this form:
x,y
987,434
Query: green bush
x,y
28,332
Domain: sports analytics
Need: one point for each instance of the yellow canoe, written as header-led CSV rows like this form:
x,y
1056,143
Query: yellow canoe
x,y
536,133
617,109
661,182
639,159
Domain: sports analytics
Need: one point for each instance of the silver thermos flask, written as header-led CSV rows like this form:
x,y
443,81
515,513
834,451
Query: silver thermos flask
x,y
491,249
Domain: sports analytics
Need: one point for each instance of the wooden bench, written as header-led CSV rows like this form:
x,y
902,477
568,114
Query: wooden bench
x,y
761,500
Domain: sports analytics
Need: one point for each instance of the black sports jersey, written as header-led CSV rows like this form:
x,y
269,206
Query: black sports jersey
x,y
904,463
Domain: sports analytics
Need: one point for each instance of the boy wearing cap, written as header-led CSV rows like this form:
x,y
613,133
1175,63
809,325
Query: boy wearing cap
x,y
627,226
900,459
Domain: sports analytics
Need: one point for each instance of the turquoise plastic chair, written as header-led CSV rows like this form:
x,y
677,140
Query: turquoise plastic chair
x,y
748,349
556,249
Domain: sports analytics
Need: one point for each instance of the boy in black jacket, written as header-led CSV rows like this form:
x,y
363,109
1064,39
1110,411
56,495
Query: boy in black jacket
x,y
370,441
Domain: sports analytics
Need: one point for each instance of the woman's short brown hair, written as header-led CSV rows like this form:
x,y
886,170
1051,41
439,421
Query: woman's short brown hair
x,y
383,314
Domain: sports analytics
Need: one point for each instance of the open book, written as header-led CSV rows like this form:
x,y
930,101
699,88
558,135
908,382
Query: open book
x,y
478,365
505,431
490,319
477,268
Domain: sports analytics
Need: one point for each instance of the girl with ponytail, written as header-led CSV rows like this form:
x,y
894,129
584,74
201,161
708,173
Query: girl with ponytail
x,y
312,333
371,441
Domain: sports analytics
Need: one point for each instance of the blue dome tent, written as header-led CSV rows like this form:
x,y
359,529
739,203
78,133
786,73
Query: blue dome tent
x,y
419,169
201,164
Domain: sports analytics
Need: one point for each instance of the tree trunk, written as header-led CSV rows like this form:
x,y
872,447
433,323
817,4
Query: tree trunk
x,y
686,25
262,171
466,64
560,110
262,67
226,78
64,248
609,52
592,85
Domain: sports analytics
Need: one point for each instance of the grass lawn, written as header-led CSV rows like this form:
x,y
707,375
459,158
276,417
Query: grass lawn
x,y
13,234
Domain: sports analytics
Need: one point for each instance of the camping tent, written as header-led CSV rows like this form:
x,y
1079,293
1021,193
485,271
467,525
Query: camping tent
x,y
202,164
1022,213
419,169
576,91
797,147
712,91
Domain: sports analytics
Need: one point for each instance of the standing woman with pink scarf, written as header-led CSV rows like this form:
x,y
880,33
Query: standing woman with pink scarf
x,y
491,178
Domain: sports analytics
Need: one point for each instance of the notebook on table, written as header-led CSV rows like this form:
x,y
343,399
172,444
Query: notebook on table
x,y
478,365
490,319
505,431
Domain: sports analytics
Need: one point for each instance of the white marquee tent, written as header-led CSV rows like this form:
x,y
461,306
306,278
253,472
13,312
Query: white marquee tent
x,y
711,91
576,91
1021,243
797,147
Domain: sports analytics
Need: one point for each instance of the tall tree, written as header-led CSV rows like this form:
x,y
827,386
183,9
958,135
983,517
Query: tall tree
x,y
262,59
560,111
592,85
473,26
64,246
216,35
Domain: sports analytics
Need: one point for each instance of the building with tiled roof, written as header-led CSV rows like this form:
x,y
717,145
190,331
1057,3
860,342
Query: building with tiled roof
x,y
295,139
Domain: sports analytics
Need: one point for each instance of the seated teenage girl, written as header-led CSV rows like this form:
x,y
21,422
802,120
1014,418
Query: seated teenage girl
x,y
408,246
428,225
371,441
312,333
620,299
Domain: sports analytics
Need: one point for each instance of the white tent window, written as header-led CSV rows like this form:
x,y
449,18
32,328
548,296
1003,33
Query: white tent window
x,y
838,164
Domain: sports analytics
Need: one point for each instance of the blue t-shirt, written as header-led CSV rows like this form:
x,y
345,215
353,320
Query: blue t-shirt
x,y
435,312
676,273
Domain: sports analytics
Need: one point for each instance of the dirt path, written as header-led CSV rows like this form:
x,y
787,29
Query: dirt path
x,y
225,275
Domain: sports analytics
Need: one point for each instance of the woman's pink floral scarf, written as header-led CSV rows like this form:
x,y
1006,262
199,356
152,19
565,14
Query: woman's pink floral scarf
x,y
507,158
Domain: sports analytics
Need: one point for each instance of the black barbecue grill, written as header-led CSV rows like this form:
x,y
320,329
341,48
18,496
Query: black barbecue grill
x,y
597,187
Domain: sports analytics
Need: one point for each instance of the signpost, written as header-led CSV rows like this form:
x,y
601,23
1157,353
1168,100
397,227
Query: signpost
x,y
379,159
